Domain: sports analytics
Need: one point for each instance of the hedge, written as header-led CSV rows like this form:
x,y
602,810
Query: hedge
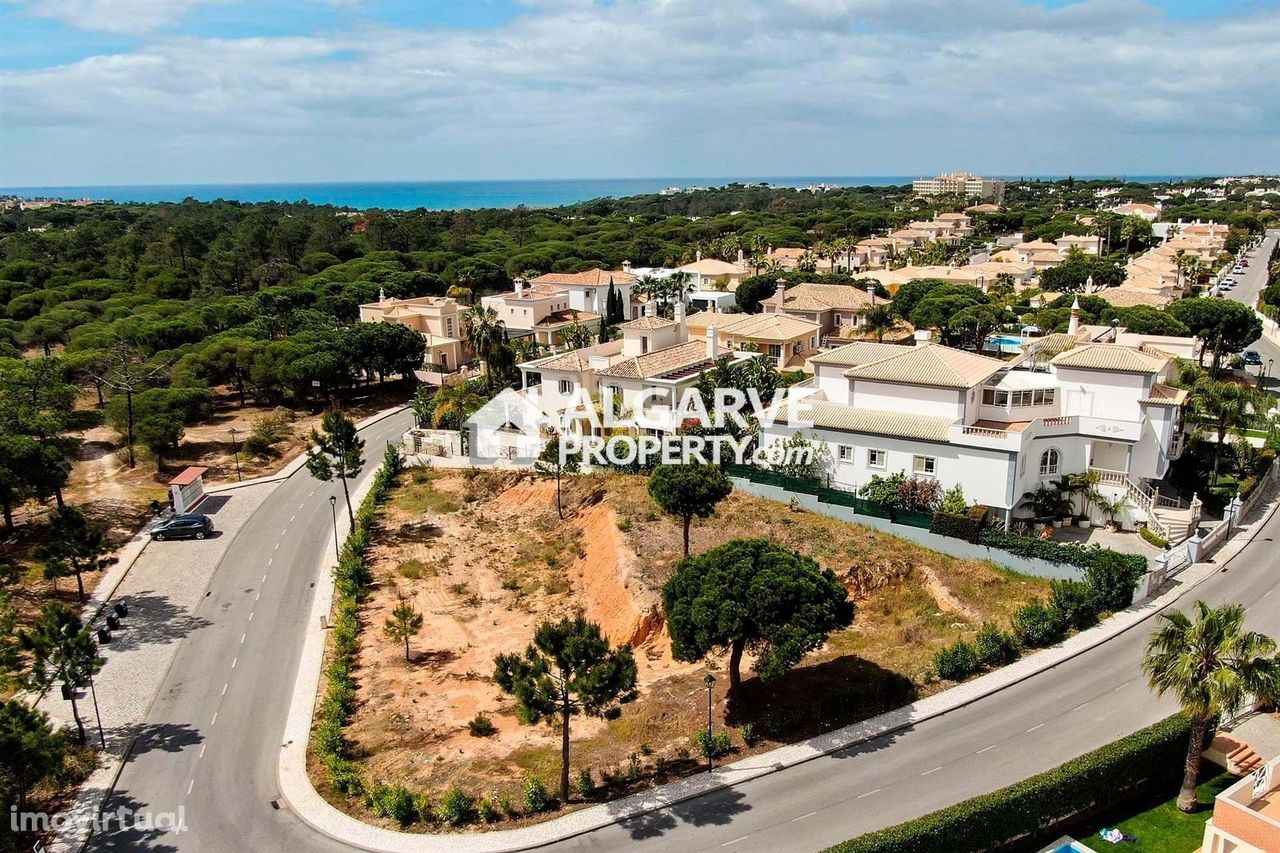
x,y
1153,756
967,527
351,581
1069,553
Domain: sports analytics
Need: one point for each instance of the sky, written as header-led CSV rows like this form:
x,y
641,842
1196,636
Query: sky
x,y
242,91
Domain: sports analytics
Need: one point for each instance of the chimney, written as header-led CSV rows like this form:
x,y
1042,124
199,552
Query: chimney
x,y
779,290
382,295
741,257
769,249
680,315
713,346
1073,327
697,256
871,294
519,283
651,307
626,266
923,337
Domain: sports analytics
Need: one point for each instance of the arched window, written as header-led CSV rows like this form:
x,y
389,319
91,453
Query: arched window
x,y
1049,462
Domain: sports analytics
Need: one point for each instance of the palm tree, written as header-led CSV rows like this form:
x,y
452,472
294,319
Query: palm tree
x,y
454,404
878,320
1210,665
1225,405
485,330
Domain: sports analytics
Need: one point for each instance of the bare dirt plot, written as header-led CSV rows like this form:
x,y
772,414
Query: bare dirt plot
x,y
484,558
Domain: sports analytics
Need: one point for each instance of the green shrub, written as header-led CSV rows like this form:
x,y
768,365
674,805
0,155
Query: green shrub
x,y
953,501
749,734
995,647
481,726
586,785
1036,625
1146,759
957,661
1113,578
956,526
634,770
455,808
712,745
536,798
1069,554
488,811
1076,601
1151,536
392,801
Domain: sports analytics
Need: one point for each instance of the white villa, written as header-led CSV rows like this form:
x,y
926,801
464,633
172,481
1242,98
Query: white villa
x,y
1000,428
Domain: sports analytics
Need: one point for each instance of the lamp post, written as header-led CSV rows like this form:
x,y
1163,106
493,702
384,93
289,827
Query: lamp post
x,y
1266,371
709,681
333,511
236,449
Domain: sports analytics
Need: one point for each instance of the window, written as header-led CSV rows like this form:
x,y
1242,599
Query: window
x,y
995,397
846,452
775,350
1049,462
925,466
448,326
644,343
877,458
566,386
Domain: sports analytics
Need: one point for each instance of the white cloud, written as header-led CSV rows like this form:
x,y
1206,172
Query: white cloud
x,y
116,16
679,87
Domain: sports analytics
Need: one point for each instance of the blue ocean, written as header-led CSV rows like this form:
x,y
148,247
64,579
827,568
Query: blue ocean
x,y
440,195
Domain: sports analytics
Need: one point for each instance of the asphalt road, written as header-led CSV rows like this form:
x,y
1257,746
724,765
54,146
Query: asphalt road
x,y
214,752
1248,285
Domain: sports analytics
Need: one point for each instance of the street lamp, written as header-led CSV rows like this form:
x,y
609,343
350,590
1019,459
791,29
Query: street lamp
x,y
236,446
709,681
1266,371
333,511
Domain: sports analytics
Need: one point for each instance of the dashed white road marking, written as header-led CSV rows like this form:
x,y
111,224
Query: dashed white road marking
x,y
250,615
258,596
1033,728
735,841
270,560
986,749
1268,593
283,532
264,578
292,517
203,747
233,662
934,770
803,816
190,785
214,722
277,548
224,688
304,503
1081,705
868,793
242,636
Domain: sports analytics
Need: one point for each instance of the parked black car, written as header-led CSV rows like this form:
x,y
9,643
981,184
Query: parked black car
x,y
189,526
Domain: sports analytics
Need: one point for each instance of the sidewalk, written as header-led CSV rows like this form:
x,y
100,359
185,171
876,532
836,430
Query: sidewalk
x,y
302,797
163,585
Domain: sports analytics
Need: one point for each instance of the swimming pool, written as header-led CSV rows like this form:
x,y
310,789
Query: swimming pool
x,y
1004,343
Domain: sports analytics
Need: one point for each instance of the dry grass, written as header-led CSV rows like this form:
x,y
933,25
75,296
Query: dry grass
x,y
501,561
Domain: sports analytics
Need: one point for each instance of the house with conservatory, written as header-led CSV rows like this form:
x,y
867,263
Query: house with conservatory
x,y
998,429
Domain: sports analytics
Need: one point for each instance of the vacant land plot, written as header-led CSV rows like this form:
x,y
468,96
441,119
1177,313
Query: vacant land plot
x,y
485,557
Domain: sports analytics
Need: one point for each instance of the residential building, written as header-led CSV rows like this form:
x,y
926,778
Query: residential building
x,y
998,429
832,307
961,184
437,318
788,340
713,274
1090,244
1246,816
1149,212
540,311
589,290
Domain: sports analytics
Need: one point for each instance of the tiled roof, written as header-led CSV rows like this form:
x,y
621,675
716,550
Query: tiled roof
x,y
558,318
713,266
659,362
1126,297
858,352
578,360
1110,357
934,365
765,327
592,278
647,323
819,297
1165,395
837,416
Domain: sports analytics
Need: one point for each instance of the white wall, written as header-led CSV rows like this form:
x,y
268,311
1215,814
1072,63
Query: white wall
x,y
917,399
1106,394
985,475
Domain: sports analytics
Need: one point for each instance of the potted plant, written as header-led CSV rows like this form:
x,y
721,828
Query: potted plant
x,y
1112,508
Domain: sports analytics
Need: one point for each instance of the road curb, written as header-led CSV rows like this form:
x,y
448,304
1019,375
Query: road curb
x,y
300,793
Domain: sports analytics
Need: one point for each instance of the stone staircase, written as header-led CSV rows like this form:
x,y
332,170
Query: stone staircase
x,y
1178,524
1234,754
